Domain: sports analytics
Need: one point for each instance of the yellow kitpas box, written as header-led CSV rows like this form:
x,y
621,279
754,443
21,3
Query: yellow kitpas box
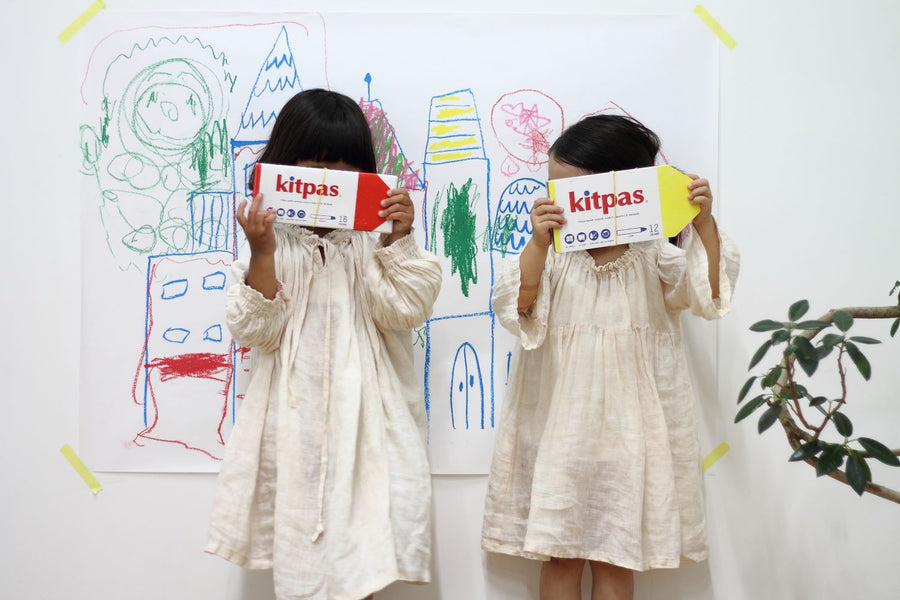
x,y
324,197
621,207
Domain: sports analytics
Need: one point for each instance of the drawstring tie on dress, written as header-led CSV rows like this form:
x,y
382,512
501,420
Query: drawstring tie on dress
x,y
326,392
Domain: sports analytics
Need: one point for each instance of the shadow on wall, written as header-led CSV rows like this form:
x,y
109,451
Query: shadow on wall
x,y
692,580
257,585
511,577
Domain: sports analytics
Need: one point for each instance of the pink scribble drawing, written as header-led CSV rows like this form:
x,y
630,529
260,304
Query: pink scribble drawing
x,y
525,122
389,155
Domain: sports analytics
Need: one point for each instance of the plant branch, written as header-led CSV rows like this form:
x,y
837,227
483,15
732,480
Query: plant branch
x,y
797,436
841,401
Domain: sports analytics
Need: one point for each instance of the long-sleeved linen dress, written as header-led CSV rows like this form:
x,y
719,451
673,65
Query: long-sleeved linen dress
x,y
325,478
597,454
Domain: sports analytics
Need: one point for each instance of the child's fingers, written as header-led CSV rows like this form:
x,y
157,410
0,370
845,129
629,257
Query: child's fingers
x,y
255,203
396,211
544,206
240,216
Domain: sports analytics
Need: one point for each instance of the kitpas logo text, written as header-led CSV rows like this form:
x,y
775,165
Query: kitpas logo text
x,y
291,185
604,202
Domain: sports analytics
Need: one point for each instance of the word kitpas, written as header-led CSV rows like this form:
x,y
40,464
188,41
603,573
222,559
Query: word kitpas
x,y
621,207
324,197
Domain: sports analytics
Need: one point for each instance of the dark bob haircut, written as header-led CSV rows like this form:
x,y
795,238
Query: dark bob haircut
x,y
604,143
323,126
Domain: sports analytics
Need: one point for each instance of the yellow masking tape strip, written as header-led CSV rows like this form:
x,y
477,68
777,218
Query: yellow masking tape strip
x,y
81,21
82,470
715,455
715,27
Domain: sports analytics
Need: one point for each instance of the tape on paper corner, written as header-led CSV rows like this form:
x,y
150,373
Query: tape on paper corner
x,y
715,455
82,20
715,27
81,469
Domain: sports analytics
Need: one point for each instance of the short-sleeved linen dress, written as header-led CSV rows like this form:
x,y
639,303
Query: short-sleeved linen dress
x,y
597,454
325,478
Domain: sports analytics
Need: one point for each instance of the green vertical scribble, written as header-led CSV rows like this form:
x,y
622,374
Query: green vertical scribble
x,y
420,336
206,148
104,122
504,227
457,224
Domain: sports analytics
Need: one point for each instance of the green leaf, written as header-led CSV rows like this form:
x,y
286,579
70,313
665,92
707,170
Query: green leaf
x,y
861,339
798,309
842,423
782,335
831,459
832,339
809,366
749,408
858,474
768,418
803,348
766,325
805,451
842,320
812,325
784,393
895,327
861,362
746,389
772,376
760,354
879,451
823,351
894,289
818,401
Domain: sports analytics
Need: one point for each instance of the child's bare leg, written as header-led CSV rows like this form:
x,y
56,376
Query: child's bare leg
x,y
561,579
610,582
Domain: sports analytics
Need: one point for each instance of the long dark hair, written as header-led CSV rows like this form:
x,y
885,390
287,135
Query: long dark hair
x,y
603,143
320,125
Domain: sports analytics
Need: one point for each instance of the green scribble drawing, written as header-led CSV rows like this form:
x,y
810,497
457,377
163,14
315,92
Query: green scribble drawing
x,y
455,206
504,228
420,337
160,137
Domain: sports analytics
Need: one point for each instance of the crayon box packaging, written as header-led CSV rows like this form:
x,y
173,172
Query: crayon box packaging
x,y
621,207
324,197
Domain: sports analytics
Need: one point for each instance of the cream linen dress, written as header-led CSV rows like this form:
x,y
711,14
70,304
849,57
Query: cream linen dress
x,y
597,454
325,478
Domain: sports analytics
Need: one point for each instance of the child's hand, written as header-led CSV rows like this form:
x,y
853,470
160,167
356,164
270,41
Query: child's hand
x,y
700,194
398,207
257,226
545,217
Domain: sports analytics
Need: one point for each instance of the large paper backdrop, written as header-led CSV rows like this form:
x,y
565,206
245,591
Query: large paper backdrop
x,y
463,108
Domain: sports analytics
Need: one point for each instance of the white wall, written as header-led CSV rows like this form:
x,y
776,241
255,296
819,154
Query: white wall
x,y
808,139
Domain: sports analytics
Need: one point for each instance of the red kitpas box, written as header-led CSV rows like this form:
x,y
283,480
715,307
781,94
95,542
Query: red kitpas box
x,y
324,197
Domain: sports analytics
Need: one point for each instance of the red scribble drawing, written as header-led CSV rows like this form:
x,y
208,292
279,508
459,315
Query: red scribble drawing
x,y
525,123
187,364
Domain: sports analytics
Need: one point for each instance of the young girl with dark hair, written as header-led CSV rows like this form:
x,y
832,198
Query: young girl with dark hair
x,y
597,457
325,478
